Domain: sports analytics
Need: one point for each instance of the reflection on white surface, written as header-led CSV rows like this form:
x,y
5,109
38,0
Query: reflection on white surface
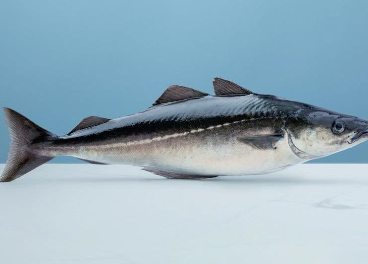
x,y
120,214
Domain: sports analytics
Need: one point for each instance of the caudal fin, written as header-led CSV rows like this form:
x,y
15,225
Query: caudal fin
x,y
23,133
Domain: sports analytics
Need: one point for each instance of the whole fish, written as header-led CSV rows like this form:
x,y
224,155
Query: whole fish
x,y
188,134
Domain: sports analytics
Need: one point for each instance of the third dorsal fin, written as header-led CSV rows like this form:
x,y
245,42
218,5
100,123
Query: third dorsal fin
x,y
177,93
226,88
90,121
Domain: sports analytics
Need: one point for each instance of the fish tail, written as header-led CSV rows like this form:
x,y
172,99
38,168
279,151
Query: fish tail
x,y
22,158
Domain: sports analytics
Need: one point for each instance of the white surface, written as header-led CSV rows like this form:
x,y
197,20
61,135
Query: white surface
x,y
120,214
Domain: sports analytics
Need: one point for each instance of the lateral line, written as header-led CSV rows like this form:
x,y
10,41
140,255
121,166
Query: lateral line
x,y
194,131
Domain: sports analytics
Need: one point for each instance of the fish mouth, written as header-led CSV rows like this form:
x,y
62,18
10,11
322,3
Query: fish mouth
x,y
359,135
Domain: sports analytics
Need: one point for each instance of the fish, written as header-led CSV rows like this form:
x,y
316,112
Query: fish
x,y
189,134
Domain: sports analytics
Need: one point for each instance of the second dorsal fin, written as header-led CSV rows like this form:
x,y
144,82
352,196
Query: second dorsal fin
x,y
226,88
177,93
90,121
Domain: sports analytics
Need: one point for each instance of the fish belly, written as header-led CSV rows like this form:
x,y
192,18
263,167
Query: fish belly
x,y
195,154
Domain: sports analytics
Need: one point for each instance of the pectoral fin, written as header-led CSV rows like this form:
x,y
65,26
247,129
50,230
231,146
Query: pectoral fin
x,y
263,142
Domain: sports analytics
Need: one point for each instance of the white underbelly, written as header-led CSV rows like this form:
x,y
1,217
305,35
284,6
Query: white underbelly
x,y
205,157
234,158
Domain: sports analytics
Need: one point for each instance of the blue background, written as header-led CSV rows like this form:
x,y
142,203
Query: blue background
x,y
61,61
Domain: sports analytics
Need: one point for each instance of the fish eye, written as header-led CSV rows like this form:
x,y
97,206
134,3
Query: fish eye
x,y
338,127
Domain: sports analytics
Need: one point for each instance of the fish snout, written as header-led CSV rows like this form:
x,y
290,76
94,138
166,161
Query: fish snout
x,y
361,131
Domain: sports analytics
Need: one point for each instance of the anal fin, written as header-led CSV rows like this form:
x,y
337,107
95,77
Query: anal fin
x,y
175,175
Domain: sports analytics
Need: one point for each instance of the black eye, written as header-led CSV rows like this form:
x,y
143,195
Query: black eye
x,y
338,127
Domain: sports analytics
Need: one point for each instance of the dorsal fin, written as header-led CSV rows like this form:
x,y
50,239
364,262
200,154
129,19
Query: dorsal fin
x,y
177,93
226,88
90,121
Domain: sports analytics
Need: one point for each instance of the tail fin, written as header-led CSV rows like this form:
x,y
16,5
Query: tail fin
x,y
23,133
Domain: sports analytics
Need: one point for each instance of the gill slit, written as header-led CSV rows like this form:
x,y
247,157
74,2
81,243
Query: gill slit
x,y
298,152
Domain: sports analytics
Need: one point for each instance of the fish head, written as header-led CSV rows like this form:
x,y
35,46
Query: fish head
x,y
318,133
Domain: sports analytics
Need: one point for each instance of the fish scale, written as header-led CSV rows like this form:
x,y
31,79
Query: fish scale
x,y
188,134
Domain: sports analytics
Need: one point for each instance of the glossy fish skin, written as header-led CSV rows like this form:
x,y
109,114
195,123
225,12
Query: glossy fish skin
x,y
201,139
189,134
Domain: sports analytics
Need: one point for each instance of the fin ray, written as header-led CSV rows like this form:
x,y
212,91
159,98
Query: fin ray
x,y
227,88
23,133
178,93
93,162
263,142
88,122
175,175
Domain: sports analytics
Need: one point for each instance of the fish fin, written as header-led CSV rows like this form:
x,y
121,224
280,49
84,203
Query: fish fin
x,y
263,142
177,93
93,162
175,175
90,121
23,133
226,88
